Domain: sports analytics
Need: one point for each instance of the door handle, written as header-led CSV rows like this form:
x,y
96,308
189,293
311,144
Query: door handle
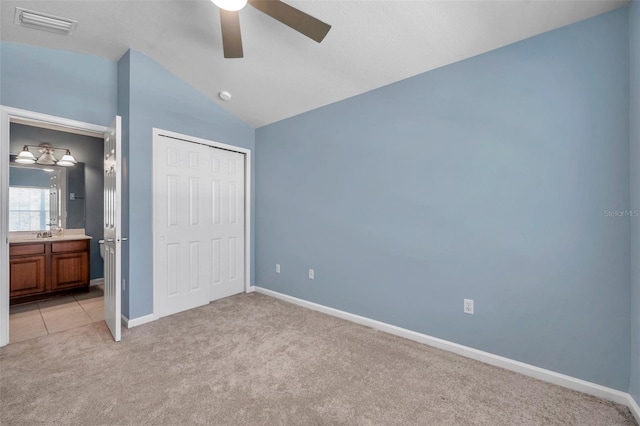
x,y
109,240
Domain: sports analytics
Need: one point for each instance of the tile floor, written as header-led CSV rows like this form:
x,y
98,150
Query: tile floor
x,y
49,316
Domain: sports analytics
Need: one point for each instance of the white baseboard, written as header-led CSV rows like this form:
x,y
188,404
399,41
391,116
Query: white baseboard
x,y
96,281
130,323
486,357
635,409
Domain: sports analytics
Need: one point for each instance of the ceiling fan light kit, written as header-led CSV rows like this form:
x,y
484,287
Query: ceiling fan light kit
x,y
230,5
290,16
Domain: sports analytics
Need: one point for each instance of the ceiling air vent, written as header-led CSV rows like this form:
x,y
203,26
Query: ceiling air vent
x,y
44,22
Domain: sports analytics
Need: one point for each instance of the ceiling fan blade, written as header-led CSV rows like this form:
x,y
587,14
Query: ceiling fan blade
x,y
231,37
294,18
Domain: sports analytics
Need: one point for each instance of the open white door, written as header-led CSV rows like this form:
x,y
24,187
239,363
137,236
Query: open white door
x,y
112,227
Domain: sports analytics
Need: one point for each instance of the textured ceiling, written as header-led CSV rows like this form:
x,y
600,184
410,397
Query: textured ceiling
x,y
371,43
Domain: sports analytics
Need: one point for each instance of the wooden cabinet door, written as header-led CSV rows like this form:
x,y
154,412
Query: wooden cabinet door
x,y
27,275
69,270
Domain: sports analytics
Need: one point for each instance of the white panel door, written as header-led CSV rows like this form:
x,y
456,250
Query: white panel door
x,y
182,214
112,227
227,224
199,224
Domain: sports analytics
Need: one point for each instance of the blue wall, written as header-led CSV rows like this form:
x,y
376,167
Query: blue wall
x,y
65,84
160,99
634,126
486,179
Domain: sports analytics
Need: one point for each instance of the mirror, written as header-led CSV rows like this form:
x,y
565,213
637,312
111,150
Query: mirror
x,y
44,197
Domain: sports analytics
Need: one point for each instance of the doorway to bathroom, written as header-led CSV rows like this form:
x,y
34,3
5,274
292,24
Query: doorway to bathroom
x,y
52,273
65,200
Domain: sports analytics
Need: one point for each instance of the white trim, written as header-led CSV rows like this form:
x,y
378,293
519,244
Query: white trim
x,y
247,197
47,121
486,357
96,281
10,115
159,132
130,323
634,408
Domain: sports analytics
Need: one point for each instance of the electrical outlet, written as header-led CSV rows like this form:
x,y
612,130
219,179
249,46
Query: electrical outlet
x,y
468,306
312,274
277,268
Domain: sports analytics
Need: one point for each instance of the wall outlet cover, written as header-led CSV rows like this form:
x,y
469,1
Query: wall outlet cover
x,y
468,306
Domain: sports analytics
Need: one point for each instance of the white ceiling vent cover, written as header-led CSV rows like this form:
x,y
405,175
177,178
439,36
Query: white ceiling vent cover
x,y
44,22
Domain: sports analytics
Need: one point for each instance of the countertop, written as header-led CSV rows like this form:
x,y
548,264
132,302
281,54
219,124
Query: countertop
x,y
16,240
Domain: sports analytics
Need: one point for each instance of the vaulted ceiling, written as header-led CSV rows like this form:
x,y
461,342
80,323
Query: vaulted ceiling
x,y
371,43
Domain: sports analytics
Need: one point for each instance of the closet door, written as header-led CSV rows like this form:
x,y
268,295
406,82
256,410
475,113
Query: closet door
x,y
182,216
227,223
199,224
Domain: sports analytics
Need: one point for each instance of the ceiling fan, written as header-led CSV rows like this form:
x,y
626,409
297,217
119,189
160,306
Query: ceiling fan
x,y
288,15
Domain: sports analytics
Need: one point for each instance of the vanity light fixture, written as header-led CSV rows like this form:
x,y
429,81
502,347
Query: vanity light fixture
x,y
46,157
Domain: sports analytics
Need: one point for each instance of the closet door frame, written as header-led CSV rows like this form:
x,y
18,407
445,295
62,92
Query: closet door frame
x,y
157,133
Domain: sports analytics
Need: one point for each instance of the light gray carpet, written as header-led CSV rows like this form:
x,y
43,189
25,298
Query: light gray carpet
x,y
251,359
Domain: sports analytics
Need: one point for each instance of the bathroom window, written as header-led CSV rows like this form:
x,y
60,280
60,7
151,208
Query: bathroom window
x,y
28,208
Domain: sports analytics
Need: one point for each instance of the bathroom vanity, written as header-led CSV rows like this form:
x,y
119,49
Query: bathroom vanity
x,y
43,267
